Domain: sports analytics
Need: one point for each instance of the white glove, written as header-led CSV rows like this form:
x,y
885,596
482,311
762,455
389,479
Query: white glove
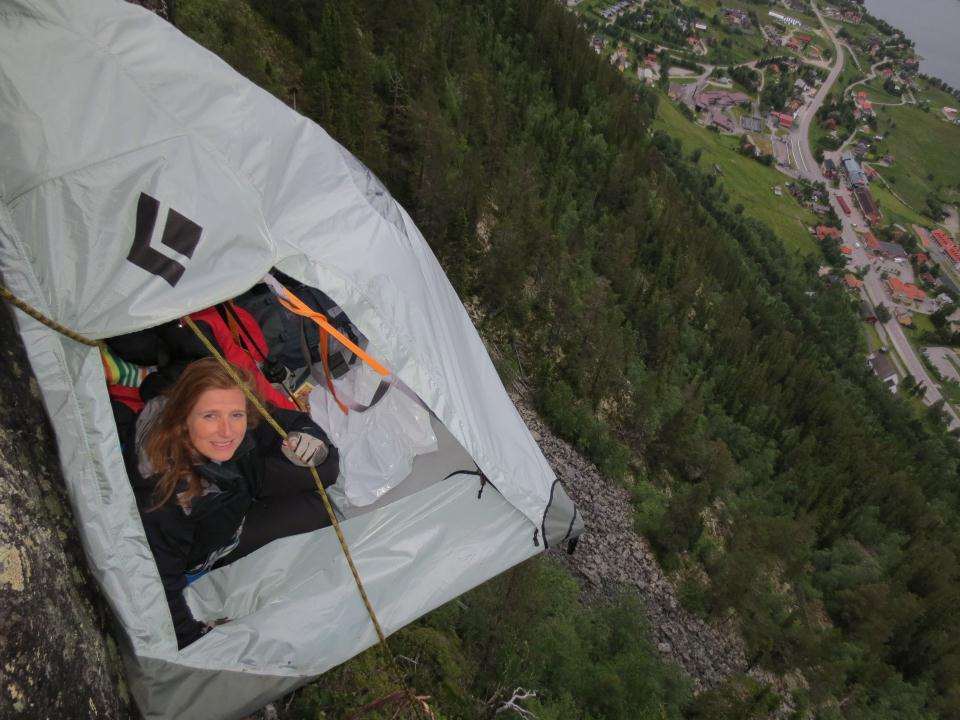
x,y
304,450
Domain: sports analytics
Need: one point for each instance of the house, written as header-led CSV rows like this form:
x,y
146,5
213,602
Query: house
x,y
922,258
721,121
793,44
846,250
700,26
946,244
855,175
784,19
870,240
719,98
863,103
784,120
803,38
751,123
868,206
736,16
620,59
883,368
824,232
829,168
904,292
887,73
891,251
929,279
852,281
904,319
950,113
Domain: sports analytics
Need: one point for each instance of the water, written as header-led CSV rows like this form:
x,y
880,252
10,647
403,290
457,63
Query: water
x,y
934,26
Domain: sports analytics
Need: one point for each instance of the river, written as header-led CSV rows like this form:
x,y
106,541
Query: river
x,y
934,26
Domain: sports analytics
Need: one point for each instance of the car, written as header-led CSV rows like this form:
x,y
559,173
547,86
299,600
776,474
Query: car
x,y
857,245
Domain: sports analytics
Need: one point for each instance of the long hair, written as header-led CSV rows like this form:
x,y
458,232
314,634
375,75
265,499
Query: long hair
x,y
168,446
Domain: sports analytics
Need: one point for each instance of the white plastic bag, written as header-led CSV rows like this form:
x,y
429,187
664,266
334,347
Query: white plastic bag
x,y
377,447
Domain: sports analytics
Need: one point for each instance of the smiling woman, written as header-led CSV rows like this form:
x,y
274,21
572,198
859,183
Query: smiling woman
x,y
213,483
217,423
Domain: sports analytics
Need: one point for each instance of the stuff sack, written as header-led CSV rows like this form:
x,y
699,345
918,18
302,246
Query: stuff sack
x,y
377,447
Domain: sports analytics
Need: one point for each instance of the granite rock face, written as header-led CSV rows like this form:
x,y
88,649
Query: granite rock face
x,y
57,659
611,557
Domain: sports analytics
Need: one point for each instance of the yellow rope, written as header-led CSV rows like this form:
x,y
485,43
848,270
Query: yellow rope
x,y
40,317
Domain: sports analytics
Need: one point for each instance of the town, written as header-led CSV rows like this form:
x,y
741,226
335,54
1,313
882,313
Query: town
x,y
813,93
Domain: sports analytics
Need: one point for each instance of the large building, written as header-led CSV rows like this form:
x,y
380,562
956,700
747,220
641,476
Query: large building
x,y
785,19
855,174
868,206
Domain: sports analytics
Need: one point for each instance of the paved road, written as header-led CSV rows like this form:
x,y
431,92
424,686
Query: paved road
x,y
873,285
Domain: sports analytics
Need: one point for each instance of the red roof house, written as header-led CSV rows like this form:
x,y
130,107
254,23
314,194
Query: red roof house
x,y
824,232
948,245
900,290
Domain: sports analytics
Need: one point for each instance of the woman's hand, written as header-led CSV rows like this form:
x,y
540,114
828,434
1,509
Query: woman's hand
x,y
304,449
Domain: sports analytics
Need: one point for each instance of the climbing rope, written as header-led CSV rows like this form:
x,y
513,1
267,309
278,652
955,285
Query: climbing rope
x,y
40,317
418,702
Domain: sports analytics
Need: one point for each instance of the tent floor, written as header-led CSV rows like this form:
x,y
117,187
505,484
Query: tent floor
x,y
427,469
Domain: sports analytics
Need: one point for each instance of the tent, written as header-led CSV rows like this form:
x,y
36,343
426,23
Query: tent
x,y
141,178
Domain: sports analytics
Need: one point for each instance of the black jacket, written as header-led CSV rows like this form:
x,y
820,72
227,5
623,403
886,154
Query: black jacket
x,y
183,541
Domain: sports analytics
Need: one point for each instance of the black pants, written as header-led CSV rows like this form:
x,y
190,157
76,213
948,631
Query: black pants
x,y
289,504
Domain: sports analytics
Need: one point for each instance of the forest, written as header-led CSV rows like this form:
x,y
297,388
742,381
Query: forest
x,y
671,338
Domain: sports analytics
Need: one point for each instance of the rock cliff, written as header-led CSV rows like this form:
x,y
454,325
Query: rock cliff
x,y
56,657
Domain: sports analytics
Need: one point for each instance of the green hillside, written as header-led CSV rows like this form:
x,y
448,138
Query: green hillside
x,y
680,342
747,181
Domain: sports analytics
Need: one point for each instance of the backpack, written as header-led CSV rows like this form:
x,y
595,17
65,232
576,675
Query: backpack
x,y
294,340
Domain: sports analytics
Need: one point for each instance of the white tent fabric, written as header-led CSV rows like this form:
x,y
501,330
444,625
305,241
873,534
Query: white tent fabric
x,y
102,105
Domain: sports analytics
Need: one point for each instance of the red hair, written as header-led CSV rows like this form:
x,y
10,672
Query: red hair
x,y
168,446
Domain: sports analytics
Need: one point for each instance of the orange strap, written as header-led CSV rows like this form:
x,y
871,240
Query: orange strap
x,y
295,305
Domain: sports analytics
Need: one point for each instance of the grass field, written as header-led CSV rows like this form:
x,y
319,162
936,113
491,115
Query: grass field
x,y
895,211
849,74
747,181
877,93
871,337
926,152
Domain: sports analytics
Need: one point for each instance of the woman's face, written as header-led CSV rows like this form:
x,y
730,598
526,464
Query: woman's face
x,y
217,423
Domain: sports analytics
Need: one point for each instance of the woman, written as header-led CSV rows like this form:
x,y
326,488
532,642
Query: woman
x,y
214,484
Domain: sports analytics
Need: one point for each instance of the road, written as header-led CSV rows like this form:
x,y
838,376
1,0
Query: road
x,y
873,285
